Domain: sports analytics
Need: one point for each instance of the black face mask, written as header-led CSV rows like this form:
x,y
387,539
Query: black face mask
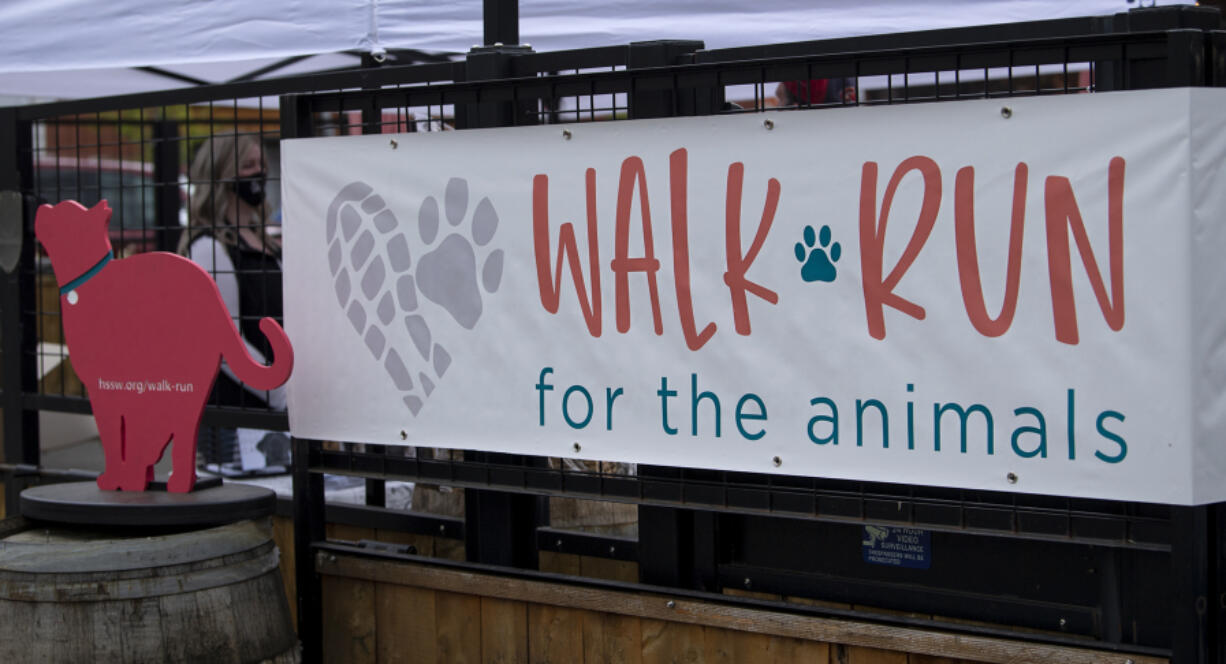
x,y
251,189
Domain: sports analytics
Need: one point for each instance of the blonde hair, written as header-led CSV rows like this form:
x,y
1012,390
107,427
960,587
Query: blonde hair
x,y
213,170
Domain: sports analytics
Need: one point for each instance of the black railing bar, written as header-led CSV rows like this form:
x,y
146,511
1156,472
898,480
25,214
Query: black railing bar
x,y
835,488
580,543
1012,531
624,79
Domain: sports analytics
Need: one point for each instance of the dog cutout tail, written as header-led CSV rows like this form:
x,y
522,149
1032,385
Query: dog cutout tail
x,y
251,372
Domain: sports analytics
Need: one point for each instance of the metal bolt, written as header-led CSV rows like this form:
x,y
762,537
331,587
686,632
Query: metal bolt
x,y
748,583
577,448
1012,477
769,124
1063,623
558,544
671,604
394,144
1006,112
404,435
566,134
442,529
777,461
612,550
331,558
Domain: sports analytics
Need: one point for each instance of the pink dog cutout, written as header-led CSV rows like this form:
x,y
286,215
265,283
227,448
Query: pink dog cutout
x,y
146,335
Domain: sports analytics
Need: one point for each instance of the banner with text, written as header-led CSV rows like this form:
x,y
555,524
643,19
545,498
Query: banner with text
x,y
1016,294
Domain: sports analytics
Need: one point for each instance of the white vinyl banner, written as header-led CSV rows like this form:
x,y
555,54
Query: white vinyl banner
x,y
1021,294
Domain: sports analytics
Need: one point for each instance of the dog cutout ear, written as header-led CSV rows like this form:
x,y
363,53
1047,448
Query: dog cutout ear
x,y
101,213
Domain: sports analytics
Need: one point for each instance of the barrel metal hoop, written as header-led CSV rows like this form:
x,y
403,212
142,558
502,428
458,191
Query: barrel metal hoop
x,y
45,588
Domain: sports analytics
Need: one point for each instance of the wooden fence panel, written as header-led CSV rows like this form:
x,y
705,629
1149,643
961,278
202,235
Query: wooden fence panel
x,y
504,631
457,626
555,634
481,617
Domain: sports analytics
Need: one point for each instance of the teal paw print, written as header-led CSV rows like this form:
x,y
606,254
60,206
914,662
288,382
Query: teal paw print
x,y
815,264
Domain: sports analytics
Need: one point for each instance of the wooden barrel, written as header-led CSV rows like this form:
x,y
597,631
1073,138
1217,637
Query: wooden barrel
x,y
214,595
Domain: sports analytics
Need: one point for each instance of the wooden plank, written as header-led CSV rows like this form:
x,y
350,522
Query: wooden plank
x,y
725,646
555,634
862,655
809,601
142,621
448,548
929,659
3,508
613,570
504,631
653,605
457,621
283,535
405,620
611,639
349,614
752,594
340,531
261,616
668,642
559,563
199,626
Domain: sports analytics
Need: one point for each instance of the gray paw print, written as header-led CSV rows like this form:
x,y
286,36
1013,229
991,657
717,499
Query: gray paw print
x,y
369,248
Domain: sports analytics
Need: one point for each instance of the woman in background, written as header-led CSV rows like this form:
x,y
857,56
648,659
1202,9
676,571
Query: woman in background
x,y
228,235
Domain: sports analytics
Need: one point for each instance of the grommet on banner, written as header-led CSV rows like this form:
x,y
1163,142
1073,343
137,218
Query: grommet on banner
x,y
394,144
404,435
777,461
769,124
1006,112
566,134
1012,477
577,448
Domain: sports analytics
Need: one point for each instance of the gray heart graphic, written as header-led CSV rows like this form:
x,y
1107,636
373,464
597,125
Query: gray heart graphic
x,y
382,291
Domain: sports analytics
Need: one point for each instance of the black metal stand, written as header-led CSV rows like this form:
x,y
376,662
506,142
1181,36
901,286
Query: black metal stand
x,y
84,504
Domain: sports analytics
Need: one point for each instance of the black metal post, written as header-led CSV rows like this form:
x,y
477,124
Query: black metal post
x,y
1197,617
166,147
309,524
647,100
309,528
490,63
501,22
17,323
372,123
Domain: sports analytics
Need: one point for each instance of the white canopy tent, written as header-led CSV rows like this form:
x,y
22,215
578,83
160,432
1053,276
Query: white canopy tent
x,y
63,49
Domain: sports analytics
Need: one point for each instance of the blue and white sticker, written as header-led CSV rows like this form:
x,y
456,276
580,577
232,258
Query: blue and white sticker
x,y
897,547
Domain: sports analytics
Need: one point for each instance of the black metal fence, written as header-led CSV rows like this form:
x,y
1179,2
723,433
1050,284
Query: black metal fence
x,y
1117,576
